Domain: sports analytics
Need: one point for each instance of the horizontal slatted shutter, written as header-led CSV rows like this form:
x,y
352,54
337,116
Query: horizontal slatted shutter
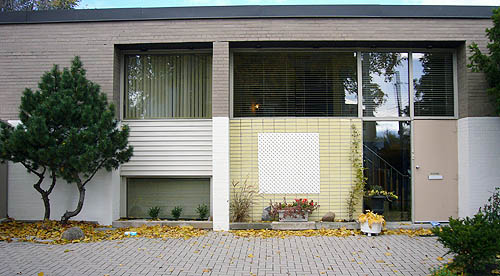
x,y
433,84
292,84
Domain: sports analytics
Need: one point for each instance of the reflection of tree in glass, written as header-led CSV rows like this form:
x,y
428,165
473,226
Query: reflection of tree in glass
x,y
434,89
395,147
382,64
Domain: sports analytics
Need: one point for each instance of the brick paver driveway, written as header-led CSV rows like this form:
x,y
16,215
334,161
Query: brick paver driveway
x,y
225,254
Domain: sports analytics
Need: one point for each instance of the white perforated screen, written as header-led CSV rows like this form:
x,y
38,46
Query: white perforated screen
x,y
289,163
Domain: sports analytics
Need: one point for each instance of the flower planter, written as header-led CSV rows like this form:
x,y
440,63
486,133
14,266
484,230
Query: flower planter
x,y
293,217
374,229
377,204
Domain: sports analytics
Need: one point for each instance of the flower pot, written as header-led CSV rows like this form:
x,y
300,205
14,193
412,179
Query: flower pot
x,y
377,204
293,217
374,229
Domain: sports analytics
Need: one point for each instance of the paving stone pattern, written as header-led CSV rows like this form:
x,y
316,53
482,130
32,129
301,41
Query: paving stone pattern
x,y
221,253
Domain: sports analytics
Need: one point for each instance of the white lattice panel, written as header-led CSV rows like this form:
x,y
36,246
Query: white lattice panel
x,y
289,163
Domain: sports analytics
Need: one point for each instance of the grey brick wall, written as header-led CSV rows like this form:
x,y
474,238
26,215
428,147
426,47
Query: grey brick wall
x,y
27,50
220,79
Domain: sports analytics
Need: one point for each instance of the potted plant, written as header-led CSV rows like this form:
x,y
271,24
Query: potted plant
x,y
371,223
378,197
298,210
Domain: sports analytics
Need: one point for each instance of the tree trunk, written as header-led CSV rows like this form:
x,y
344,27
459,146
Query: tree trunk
x,y
45,197
46,203
70,214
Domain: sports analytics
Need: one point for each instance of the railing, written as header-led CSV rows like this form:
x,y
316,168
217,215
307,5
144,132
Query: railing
x,y
380,172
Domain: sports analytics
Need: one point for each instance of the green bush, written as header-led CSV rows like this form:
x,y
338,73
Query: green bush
x,y
176,212
444,271
491,209
154,212
202,211
474,241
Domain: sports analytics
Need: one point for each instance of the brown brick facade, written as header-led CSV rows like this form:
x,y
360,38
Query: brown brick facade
x,y
27,50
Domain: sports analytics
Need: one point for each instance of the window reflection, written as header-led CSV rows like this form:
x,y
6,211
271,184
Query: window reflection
x,y
433,84
386,154
385,84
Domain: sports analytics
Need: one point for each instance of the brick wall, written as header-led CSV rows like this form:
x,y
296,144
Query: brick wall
x,y
27,50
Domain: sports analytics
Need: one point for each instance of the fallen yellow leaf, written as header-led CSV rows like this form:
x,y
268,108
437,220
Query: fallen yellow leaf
x,y
250,255
40,273
440,258
388,254
380,261
207,270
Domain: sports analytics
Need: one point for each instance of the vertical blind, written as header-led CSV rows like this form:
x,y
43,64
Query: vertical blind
x,y
295,84
168,86
433,84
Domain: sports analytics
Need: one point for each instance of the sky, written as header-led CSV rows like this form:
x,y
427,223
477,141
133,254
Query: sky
x,y
102,4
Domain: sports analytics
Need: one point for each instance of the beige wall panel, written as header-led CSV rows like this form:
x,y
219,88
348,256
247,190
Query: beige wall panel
x,y
436,152
27,50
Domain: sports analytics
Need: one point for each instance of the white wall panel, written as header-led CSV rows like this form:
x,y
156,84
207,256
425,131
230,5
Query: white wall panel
x,y
478,162
289,162
25,202
170,148
220,180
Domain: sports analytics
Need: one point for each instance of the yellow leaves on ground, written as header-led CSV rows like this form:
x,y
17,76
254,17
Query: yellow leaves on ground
x,y
387,254
51,231
342,232
440,259
409,232
250,255
40,274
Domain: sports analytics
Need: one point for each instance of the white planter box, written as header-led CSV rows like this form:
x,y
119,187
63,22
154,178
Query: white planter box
x,y
293,217
375,229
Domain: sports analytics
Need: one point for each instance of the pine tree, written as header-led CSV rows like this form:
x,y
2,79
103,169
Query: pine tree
x,y
489,64
35,142
69,129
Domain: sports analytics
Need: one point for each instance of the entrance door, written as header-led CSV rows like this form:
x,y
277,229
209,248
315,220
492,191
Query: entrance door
x,y
436,170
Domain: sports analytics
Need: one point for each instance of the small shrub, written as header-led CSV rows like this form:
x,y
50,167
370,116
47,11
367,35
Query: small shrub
x,y
491,209
444,271
242,200
154,212
475,241
176,212
202,211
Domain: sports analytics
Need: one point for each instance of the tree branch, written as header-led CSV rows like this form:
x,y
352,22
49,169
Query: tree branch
x,y
93,173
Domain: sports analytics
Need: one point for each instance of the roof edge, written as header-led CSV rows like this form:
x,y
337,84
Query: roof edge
x,y
243,12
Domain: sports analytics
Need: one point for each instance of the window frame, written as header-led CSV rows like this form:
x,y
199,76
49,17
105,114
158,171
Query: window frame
x,y
358,52
152,52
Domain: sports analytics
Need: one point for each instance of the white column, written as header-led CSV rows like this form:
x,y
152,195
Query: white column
x,y
478,159
220,178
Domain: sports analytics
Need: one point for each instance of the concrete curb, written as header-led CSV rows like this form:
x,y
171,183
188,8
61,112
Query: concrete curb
x,y
139,223
310,225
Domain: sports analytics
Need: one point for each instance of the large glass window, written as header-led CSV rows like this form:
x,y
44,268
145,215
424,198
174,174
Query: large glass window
x,y
295,84
433,84
386,155
385,85
168,86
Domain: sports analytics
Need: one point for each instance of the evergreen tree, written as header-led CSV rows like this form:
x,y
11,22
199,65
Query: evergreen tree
x,y
489,64
35,142
69,129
